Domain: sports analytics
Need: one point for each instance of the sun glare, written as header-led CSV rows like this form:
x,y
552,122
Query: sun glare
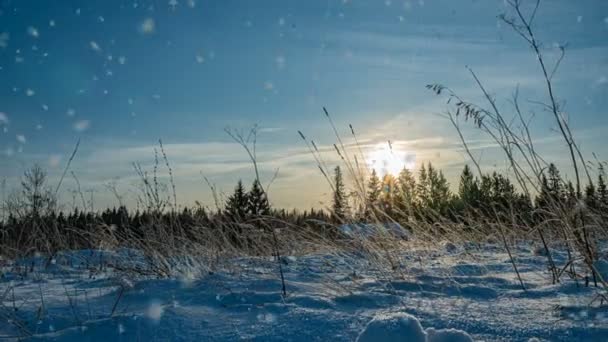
x,y
385,159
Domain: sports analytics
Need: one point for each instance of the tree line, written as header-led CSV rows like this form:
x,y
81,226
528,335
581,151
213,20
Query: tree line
x,y
34,222
428,195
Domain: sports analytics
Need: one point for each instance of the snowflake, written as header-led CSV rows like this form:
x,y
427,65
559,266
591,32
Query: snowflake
x,y
21,139
173,4
82,125
122,60
30,92
71,112
32,31
191,3
3,119
101,19
268,85
200,59
147,26
94,46
4,36
52,23
280,62
45,107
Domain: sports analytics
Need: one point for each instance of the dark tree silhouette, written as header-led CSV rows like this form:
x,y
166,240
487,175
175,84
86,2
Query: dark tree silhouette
x,y
340,207
237,204
257,202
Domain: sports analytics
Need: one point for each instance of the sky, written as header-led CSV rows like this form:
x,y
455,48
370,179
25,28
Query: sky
x,y
120,75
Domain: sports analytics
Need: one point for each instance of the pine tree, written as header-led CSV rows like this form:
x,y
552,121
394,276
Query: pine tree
x,y
503,192
372,196
556,188
468,189
257,204
423,187
388,195
602,191
591,199
340,201
406,193
236,206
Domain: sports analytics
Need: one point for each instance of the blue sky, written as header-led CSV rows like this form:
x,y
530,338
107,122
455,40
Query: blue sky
x,y
121,74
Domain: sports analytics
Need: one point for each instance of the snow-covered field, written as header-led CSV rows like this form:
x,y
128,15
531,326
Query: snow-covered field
x,y
441,295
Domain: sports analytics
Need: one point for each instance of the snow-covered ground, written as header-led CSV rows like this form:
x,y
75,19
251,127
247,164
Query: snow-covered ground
x,y
441,295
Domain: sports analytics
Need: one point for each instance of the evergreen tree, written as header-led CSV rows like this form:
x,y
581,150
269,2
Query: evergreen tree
x,y
556,188
257,203
388,195
503,192
340,201
373,195
236,206
591,199
468,189
602,191
423,187
406,193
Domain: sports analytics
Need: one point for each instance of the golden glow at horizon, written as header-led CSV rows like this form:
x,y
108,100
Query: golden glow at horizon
x,y
386,159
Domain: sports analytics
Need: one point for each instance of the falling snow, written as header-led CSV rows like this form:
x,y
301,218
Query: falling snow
x,y
147,26
94,46
3,119
4,37
32,31
82,125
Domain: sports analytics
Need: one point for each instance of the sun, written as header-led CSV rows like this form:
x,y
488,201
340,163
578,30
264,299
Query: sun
x,y
386,159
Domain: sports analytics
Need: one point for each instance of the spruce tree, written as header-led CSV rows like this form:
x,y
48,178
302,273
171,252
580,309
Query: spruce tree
x,y
388,195
556,188
602,191
406,192
340,200
423,187
236,206
591,199
468,189
257,203
373,195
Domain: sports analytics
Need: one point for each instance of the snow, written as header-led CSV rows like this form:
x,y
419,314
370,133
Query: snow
x,y
4,37
447,335
3,119
464,294
147,26
393,328
82,125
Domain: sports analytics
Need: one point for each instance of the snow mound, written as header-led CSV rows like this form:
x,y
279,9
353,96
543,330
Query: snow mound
x,y
447,335
389,327
402,327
